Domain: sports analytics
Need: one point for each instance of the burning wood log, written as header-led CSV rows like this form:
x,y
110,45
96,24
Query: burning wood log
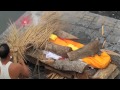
x,y
65,35
105,73
60,50
88,50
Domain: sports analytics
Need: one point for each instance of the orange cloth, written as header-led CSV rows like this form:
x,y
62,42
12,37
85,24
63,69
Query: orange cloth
x,y
98,61
65,42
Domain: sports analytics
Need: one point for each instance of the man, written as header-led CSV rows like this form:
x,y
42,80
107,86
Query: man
x,y
9,70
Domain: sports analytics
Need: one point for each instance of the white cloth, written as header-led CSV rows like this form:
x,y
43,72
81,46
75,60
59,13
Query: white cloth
x,y
4,70
51,55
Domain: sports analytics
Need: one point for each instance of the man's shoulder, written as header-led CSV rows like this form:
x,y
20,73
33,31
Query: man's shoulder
x,y
16,65
15,69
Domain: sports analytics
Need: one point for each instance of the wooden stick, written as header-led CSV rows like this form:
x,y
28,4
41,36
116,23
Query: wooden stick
x,y
49,75
102,30
103,43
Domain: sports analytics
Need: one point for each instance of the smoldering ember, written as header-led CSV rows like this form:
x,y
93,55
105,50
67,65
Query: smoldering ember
x,y
66,44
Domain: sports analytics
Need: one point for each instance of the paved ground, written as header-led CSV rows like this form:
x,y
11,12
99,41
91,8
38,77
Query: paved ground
x,y
113,14
87,26
91,24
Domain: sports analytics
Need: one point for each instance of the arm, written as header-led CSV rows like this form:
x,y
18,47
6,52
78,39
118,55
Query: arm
x,y
25,71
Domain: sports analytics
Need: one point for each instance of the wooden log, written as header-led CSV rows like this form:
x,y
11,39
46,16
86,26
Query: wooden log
x,y
75,75
87,74
58,49
81,76
88,50
64,35
67,65
116,60
105,73
90,72
114,74
69,75
110,52
62,73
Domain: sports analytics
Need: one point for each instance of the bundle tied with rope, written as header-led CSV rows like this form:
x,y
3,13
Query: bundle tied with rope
x,y
31,36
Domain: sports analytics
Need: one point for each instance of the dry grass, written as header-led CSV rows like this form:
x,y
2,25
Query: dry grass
x,y
33,36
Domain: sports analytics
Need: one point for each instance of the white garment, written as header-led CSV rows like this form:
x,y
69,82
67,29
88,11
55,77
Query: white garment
x,y
51,55
4,71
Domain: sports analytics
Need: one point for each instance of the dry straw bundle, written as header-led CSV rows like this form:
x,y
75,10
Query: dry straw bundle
x,y
33,36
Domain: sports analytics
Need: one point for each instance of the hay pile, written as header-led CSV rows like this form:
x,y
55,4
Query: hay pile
x,y
33,36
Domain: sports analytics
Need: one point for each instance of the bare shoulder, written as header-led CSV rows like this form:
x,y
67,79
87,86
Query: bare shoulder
x,y
16,65
15,70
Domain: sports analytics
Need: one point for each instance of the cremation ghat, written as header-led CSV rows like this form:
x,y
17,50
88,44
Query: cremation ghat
x,y
85,28
83,23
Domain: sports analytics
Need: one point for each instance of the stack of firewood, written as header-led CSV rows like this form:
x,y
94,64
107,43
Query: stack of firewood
x,y
72,67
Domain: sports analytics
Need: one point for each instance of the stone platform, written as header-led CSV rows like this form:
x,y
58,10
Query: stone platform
x,y
84,24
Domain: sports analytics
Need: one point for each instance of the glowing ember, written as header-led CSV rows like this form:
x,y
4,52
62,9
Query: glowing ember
x,y
25,21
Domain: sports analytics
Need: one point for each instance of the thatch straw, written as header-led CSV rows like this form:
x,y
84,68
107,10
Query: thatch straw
x,y
33,36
